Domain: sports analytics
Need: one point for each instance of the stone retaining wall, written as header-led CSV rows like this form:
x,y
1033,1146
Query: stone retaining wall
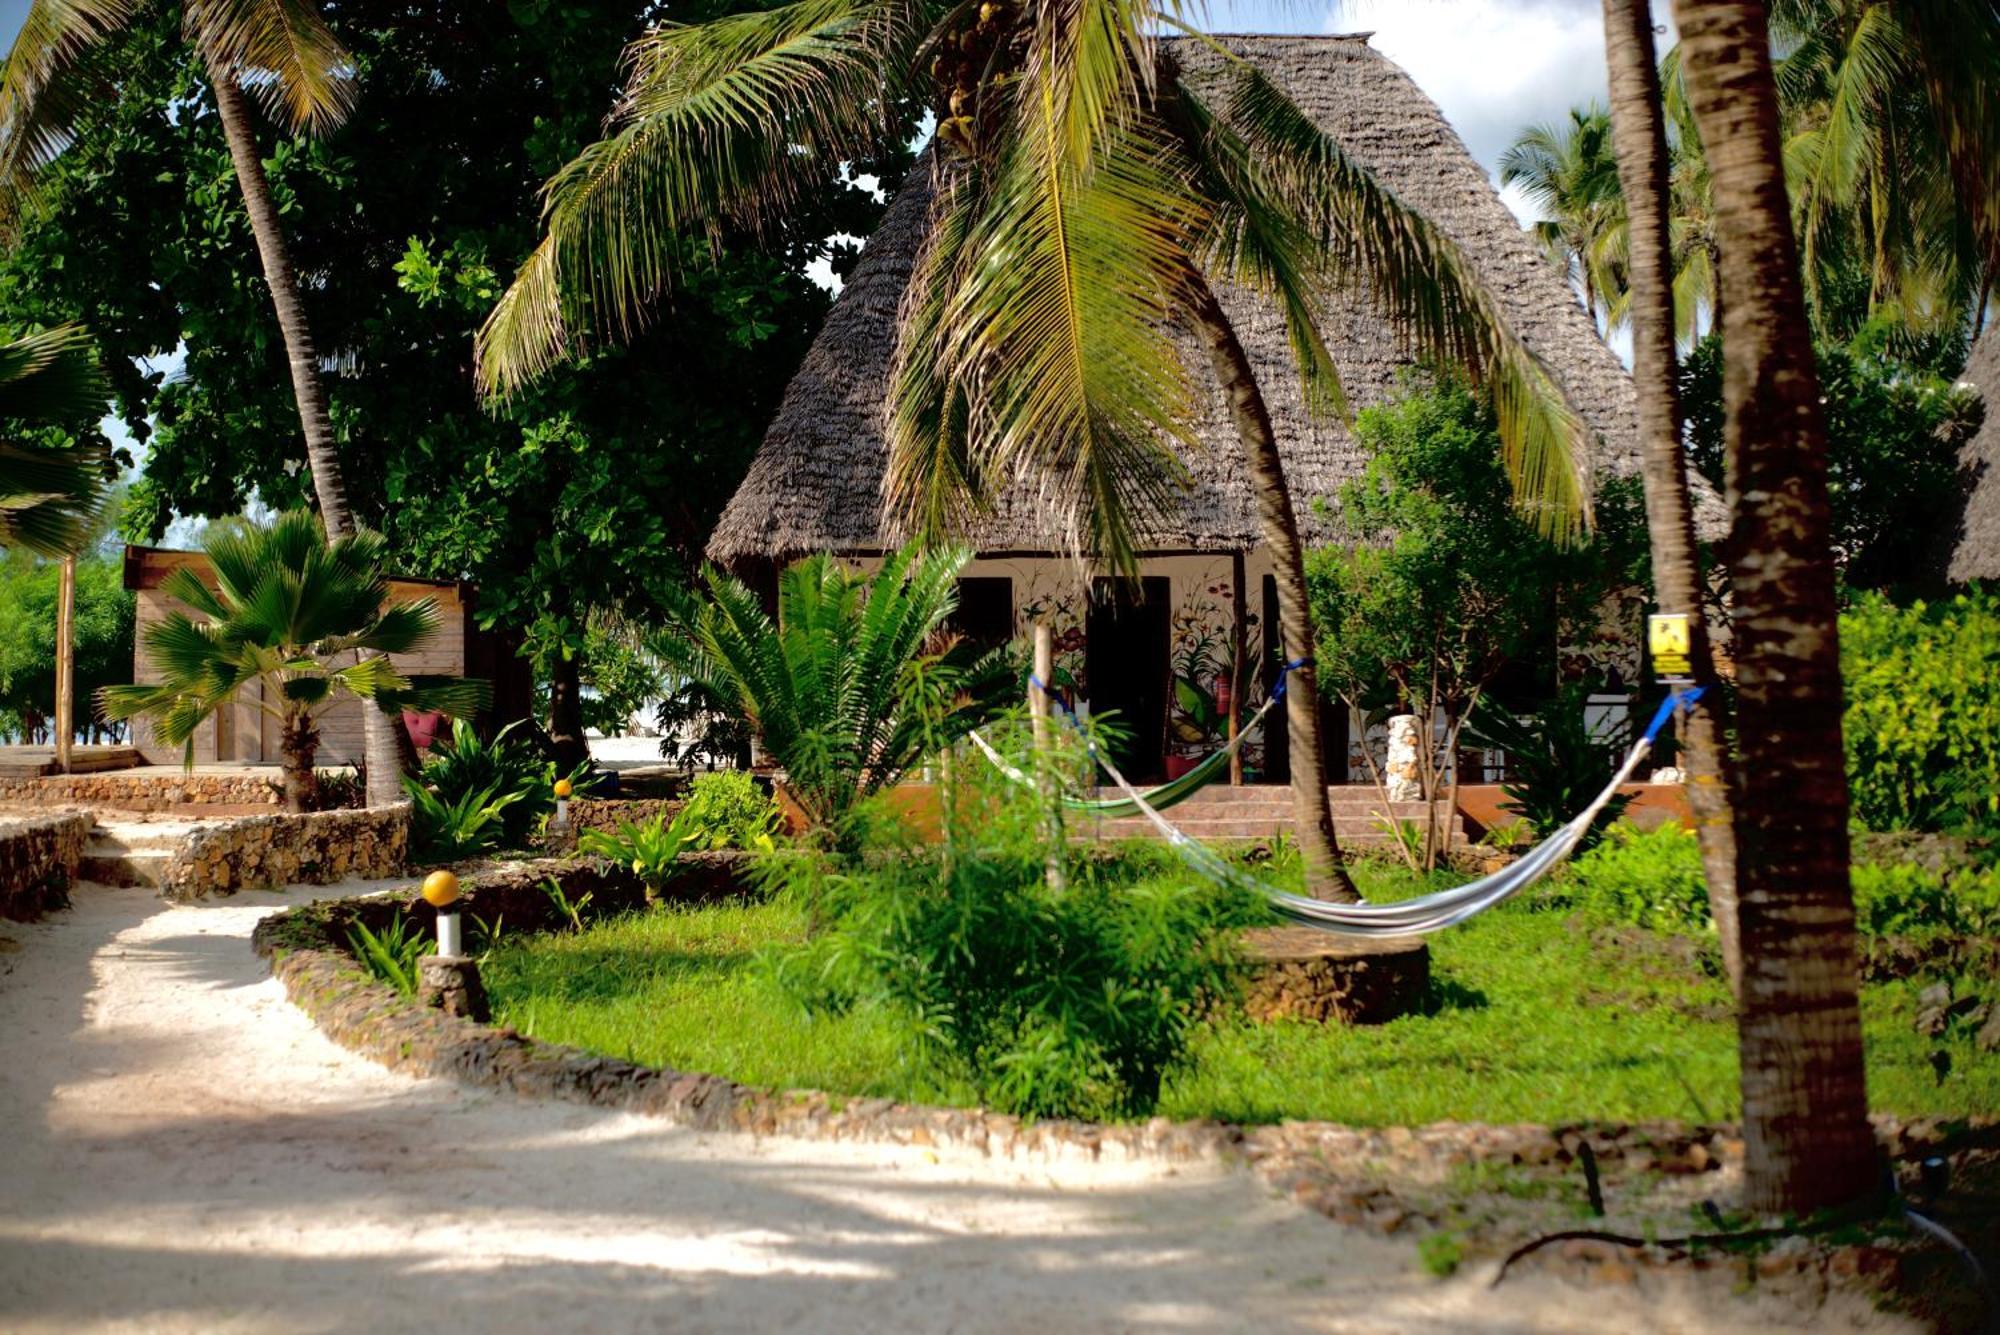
x,y
264,852
146,792
38,861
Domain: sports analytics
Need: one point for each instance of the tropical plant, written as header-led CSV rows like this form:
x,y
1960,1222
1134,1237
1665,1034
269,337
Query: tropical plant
x,y
392,953
840,686
1807,1141
1568,172
1090,180
651,848
300,619
1054,1000
1651,879
1647,172
49,494
1556,761
445,829
283,53
463,763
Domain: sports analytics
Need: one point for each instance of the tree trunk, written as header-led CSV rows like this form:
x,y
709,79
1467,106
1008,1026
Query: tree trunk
x,y
1639,136
566,714
381,750
298,743
1326,872
1807,1142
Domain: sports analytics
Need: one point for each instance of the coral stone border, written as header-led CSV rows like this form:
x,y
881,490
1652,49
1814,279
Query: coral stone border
x,y
1330,1167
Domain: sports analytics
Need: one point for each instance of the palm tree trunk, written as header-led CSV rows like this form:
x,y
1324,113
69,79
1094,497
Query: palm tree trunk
x,y
380,748
1807,1142
298,743
1639,136
1326,871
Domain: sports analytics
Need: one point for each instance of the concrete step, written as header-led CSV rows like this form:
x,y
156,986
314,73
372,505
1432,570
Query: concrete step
x,y
132,852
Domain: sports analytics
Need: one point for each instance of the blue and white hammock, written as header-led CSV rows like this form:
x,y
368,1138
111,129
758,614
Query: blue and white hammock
x,y
1426,913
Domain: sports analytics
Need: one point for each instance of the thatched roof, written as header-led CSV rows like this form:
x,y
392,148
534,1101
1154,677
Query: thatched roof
x,y
816,483
1975,552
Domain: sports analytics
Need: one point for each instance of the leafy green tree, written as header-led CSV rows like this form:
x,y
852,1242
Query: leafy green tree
x,y
1439,585
1893,430
103,638
596,490
849,687
297,616
1089,190
51,484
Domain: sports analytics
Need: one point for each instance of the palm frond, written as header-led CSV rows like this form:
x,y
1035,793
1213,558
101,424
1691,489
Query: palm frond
x,y
721,121
285,54
1061,329
48,78
1428,288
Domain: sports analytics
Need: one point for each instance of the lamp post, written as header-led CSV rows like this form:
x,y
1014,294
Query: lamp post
x,y
560,821
441,893
449,980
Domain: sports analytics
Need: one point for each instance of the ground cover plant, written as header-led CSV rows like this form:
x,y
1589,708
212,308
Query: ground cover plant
x,y
1599,997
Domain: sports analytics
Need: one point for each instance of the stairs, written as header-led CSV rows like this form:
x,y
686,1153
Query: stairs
x,y
1260,811
131,852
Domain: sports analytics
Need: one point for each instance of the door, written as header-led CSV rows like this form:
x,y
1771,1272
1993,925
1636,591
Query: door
x,y
1128,637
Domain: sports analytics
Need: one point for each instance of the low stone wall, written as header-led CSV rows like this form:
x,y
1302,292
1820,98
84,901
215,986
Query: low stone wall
x,y
146,792
38,861
1337,1170
264,852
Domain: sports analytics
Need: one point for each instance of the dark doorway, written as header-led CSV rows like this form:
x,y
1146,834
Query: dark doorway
x,y
1128,639
985,612
1277,735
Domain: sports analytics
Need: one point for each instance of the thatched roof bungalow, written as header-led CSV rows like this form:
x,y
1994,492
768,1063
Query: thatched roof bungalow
x,y
1975,552
816,484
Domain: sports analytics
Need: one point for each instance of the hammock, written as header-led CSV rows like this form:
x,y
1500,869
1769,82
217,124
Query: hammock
x,y
1426,913
1173,791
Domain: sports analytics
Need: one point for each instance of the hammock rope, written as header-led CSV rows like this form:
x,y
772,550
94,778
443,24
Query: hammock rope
x,y
1411,917
1173,791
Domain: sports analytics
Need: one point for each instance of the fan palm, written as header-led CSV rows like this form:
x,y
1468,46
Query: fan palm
x,y
288,613
1091,182
853,683
48,496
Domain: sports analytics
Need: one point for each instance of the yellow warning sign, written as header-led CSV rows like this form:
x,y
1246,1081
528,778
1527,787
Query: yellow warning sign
x,y
1667,642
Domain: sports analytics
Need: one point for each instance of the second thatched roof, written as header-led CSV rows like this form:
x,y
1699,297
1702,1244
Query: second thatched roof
x,y
816,484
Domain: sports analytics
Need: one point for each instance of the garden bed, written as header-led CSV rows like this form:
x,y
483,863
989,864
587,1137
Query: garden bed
x,y
1466,1188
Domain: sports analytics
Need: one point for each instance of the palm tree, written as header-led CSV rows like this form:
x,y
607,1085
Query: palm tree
x,y
1645,175
49,496
853,682
1087,191
1569,173
288,604
1807,1142
283,51
1894,149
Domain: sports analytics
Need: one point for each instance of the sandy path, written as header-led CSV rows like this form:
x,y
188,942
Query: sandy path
x,y
181,1150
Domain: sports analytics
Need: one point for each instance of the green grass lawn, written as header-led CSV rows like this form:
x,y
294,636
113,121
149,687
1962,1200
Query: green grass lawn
x,y
1536,1016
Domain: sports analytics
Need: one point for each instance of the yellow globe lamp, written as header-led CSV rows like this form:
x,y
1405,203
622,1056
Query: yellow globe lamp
x,y
562,788
440,889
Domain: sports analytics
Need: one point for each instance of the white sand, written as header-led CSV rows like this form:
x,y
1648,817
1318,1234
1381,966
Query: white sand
x,y
181,1150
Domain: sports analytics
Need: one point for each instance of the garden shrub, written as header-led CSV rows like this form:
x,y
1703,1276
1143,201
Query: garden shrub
x,y
466,773
1923,712
1071,1002
1650,879
726,809
1556,763
1901,899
